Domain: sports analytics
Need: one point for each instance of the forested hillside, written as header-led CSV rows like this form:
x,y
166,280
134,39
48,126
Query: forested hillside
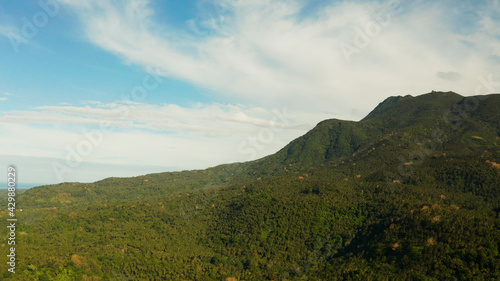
x,y
411,192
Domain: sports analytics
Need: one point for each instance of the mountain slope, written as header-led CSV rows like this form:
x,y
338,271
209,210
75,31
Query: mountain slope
x,y
398,121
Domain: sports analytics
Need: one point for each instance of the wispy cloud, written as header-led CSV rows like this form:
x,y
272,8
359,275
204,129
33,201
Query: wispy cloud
x,y
213,119
269,53
165,135
5,96
450,75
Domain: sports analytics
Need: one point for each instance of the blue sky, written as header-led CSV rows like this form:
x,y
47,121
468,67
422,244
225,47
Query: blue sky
x,y
99,88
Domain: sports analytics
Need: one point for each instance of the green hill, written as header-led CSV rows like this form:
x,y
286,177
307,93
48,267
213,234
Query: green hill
x,y
410,192
396,126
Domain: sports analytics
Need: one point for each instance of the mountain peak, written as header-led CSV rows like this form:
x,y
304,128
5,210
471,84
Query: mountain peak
x,y
433,98
335,139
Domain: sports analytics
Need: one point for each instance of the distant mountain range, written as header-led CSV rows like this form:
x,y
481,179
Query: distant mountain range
x,y
410,192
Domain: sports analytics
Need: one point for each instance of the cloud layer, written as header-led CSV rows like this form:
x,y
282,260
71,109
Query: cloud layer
x,y
168,137
272,53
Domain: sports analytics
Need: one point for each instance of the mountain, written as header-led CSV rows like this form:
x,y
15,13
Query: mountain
x,y
398,118
410,192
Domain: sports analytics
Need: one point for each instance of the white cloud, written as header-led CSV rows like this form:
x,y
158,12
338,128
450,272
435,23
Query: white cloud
x,y
212,119
266,53
168,136
450,75
5,98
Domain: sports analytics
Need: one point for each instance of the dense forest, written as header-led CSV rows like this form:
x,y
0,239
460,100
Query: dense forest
x,y
411,192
